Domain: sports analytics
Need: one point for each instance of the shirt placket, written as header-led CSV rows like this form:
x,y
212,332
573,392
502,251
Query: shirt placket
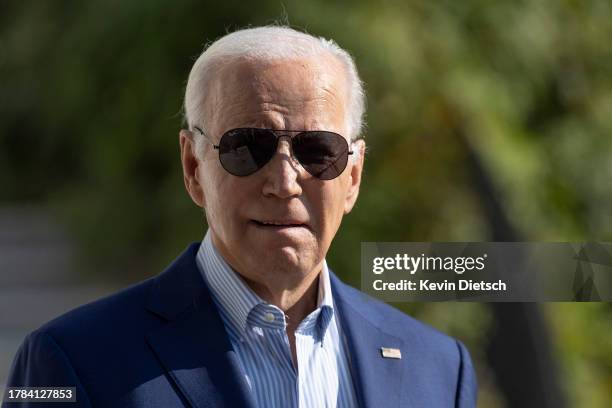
x,y
274,337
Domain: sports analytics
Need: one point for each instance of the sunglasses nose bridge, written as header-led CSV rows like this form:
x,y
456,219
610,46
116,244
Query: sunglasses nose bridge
x,y
289,153
280,145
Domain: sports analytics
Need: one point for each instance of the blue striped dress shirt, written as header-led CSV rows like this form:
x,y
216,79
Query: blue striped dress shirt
x,y
257,332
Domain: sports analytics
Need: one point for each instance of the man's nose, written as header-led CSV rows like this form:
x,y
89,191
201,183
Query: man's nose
x,y
282,172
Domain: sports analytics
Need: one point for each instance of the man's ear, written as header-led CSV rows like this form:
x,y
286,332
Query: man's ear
x,y
190,163
355,167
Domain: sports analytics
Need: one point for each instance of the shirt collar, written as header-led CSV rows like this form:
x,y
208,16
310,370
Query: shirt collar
x,y
237,300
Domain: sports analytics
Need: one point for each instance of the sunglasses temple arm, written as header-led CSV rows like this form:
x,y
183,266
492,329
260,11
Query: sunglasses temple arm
x,y
216,147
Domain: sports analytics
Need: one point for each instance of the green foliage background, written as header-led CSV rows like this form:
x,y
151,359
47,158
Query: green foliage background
x,y
90,108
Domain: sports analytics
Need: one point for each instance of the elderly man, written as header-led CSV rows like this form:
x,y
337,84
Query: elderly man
x,y
252,316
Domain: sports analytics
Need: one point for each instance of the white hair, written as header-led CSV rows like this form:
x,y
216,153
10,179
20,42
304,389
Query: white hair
x,y
269,43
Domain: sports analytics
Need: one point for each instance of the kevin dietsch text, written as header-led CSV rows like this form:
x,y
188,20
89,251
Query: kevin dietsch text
x,y
426,285
411,264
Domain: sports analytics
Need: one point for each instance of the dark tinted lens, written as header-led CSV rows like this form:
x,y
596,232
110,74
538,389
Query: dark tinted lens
x,y
244,151
322,154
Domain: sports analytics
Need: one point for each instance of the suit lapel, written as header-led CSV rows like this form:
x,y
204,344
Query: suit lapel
x,y
193,345
377,380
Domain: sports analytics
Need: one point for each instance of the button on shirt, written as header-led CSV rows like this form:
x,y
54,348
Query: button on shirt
x,y
257,332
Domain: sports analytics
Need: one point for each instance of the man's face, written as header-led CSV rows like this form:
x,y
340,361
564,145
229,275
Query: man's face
x,y
303,94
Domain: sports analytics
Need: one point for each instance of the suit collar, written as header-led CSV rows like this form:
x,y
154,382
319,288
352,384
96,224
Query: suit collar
x,y
177,287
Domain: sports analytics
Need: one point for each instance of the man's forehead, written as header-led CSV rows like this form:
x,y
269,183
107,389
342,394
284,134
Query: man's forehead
x,y
292,71
247,90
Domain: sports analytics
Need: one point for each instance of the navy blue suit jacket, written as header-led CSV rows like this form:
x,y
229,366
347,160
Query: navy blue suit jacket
x,y
161,343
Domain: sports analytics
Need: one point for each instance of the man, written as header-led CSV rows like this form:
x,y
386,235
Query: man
x,y
252,316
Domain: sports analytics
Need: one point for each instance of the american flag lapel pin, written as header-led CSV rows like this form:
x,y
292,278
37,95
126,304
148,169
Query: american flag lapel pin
x,y
388,352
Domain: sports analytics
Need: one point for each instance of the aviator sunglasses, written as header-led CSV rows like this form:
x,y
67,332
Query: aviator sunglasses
x,y
243,151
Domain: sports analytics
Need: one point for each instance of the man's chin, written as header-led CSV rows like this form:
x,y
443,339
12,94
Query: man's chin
x,y
284,259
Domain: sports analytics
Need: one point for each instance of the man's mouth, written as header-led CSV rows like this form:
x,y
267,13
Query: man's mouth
x,y
279,223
